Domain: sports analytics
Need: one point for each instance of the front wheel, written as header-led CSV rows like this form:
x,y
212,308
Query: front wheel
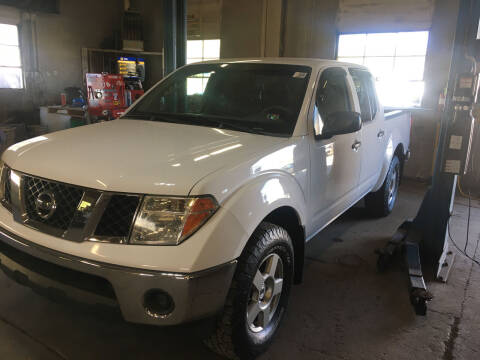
x,y
258,297
381,202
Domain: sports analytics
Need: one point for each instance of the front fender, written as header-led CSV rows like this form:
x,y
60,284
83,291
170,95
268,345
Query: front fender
x,y
224,237
258,198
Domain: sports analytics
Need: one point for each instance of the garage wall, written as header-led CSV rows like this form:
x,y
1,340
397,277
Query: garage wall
x,y
250,28
9,15
272,28
51,51
241,28
61,37
310,26
385,15
204,19
310,29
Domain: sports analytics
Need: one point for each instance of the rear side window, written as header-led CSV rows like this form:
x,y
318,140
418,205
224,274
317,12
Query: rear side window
x,y
372,94
366,93
332,92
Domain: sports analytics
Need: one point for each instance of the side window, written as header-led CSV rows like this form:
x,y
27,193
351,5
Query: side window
x,y
372,95
332,92
366,93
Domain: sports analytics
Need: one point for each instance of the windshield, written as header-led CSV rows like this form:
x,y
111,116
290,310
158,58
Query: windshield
x,y
257,98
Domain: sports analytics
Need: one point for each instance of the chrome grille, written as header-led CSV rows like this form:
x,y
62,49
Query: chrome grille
x,y
67,198
80,213
118,216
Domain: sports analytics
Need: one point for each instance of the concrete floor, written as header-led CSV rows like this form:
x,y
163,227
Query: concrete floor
x,y
343,310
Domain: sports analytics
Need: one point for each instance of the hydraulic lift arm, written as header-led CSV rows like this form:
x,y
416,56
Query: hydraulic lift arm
x,y
424,239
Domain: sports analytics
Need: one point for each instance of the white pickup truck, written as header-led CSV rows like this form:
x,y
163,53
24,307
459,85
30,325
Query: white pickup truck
x,y
200,199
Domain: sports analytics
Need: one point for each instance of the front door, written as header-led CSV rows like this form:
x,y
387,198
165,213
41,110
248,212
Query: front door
x,y
335,162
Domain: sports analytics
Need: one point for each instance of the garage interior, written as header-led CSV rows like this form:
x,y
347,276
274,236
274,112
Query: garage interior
x,y
345,308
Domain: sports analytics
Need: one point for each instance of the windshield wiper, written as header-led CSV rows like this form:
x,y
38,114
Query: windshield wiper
x,y
199,120
216,121
226,124
138,115
148,116
190,119
229,126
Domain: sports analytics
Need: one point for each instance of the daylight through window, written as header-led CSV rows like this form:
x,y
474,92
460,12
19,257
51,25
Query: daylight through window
x,y
201,50
10,63
396,60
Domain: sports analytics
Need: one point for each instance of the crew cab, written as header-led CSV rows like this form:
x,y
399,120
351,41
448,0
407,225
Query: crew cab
x,y
199,200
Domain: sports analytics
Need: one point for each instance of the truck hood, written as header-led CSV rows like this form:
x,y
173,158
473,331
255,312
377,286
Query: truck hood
x,y
135,156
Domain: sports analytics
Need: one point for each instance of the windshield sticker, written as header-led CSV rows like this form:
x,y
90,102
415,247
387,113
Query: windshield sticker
x,y
274,117
299,75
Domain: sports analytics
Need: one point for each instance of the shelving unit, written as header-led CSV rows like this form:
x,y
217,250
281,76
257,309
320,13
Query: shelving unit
x,y
103,60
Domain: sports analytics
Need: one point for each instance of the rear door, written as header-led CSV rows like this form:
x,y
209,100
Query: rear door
x,y
335,162
373,129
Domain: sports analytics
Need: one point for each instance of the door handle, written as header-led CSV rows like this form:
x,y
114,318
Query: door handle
x,y
356,145
381,134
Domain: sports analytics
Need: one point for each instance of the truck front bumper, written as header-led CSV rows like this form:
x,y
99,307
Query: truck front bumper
x,y
147,297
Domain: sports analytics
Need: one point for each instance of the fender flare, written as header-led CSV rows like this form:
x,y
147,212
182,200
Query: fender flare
x,y
390,151
224,237
254,201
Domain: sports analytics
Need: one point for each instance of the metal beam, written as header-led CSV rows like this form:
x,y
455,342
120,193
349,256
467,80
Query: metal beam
x,y
181,32
175,33
169,35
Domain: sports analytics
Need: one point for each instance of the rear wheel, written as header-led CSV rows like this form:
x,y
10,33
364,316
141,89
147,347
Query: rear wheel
x,y
381,203
258,297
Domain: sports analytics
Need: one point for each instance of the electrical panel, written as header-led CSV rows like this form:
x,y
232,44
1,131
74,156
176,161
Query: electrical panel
x,y
460,129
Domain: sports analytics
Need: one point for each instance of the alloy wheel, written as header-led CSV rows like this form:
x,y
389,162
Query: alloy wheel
x,y
393,187
265,294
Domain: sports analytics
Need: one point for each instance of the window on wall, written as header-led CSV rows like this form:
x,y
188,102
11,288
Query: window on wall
x,y
201,50
10,64
396,60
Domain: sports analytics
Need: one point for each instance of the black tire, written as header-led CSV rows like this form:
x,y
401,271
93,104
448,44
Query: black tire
x,y
381,203
233,337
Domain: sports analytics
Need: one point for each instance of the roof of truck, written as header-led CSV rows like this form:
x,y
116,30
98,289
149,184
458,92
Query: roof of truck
x,y
312,62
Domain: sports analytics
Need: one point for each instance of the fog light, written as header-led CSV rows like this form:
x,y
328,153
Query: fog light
x,y
158,303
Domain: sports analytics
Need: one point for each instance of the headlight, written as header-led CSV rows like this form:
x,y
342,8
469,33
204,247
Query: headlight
x,y
169,221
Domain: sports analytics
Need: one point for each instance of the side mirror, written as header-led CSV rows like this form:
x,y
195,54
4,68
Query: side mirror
x,y
337,123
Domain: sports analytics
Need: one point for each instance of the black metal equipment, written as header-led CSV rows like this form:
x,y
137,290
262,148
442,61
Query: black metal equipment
x,y
425,238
